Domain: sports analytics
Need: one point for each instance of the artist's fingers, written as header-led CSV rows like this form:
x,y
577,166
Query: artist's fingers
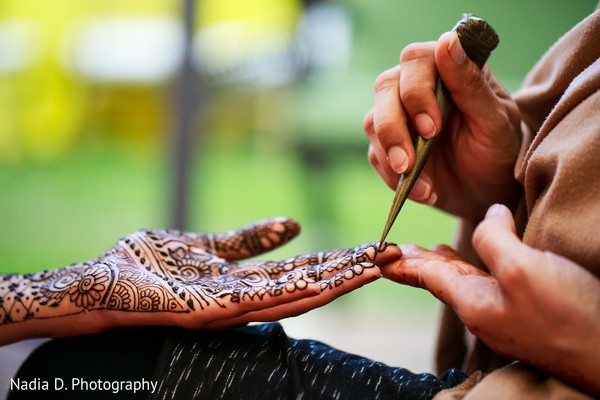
x,y
331,288
257,238
417,88
506,256
376,154
448,278
447,252
390,123
424,191
475,92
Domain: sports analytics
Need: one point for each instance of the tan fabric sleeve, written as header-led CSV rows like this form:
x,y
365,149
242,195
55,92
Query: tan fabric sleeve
x,y
562,179
515,381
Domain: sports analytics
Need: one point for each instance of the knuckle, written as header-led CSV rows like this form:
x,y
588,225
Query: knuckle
x,y
411,93
387,79
469,314
368,123
478,312
415,51
372,157
514,269
475,80
385,127
511,275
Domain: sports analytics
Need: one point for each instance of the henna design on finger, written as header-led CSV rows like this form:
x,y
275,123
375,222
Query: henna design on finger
x,y
251,240
358,254
346,275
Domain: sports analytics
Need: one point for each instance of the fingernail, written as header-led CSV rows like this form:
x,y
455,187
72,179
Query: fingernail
x,y
456,51
425,126
398,159
495,210
421,190
432,199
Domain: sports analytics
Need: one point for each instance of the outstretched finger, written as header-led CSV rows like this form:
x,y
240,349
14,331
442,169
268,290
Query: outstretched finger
x,y
367,252
249,290
336,285
251,240
208,305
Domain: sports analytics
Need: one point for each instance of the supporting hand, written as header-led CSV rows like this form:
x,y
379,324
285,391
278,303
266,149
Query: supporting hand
x,y
533,306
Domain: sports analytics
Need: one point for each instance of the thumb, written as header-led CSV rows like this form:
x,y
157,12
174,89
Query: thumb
x,y
496,242
466,82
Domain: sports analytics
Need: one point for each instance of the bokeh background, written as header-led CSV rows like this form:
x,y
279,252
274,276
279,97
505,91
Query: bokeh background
x,y
207,115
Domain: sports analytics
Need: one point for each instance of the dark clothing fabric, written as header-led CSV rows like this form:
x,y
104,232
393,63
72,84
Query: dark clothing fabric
x,y
254,362
127,354
261,362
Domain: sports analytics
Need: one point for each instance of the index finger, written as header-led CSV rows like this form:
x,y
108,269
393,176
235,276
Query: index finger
x,y
417,87
390,123
450,279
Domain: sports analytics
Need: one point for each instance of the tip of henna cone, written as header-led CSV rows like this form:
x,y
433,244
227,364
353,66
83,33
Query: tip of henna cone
x,y
383,245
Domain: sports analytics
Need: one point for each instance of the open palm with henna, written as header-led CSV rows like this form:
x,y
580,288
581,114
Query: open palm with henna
x,y
166,277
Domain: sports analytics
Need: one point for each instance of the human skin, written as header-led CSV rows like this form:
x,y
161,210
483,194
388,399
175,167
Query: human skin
x,y
534,306
166,277
472,165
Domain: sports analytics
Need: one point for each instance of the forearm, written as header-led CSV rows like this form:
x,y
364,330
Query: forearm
x,y
58,302
38,304
37,296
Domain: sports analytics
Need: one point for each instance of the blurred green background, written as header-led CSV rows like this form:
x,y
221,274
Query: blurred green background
x,y
87,112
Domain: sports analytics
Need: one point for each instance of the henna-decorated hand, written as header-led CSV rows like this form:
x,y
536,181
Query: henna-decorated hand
x,y
534,306
165,277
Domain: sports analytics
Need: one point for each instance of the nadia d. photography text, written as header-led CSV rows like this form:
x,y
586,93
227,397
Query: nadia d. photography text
x,y
83,385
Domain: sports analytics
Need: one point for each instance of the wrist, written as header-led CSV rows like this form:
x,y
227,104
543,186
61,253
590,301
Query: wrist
x,y
51,303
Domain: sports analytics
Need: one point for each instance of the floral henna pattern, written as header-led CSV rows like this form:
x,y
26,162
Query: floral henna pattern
x,y
90,288
172,271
